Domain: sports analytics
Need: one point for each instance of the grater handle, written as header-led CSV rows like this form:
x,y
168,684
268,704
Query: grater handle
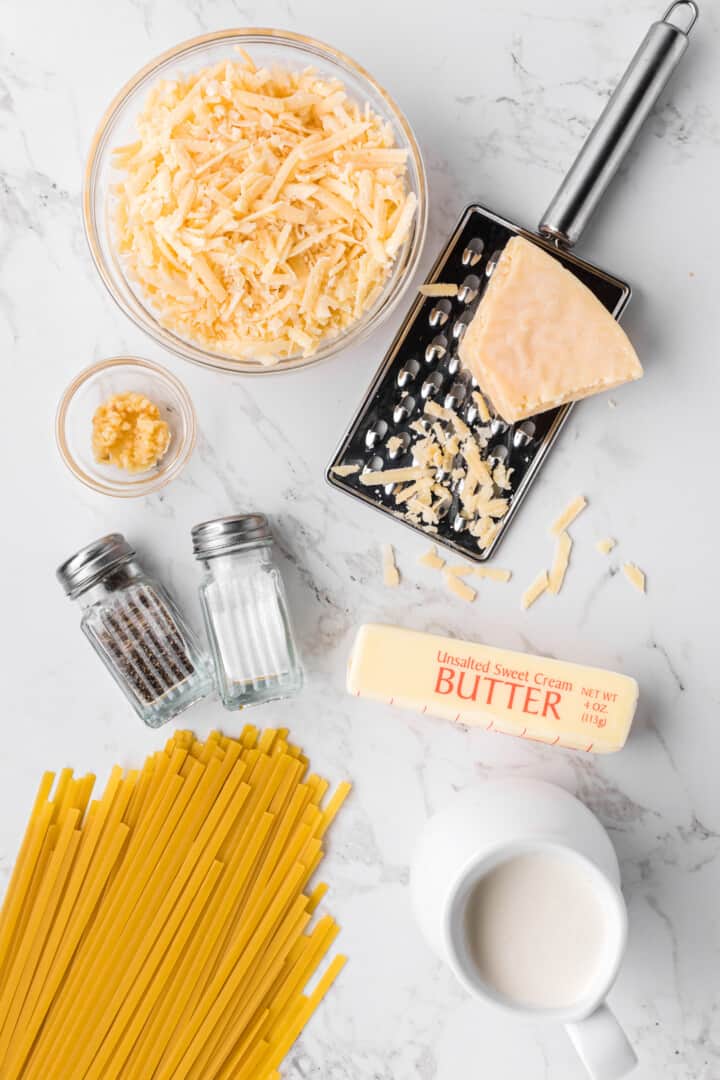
x,y
621,119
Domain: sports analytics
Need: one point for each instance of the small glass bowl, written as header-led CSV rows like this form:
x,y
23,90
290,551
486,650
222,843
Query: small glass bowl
x,y
92,387
117,128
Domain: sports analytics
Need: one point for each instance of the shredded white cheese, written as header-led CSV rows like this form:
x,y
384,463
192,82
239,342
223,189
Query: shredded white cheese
x,y
438,288
259,211
560,563
535,590
460,570
481,404
605,546
391,476
457,586
391,575
345,470
635,576
492,573
571,511
431,559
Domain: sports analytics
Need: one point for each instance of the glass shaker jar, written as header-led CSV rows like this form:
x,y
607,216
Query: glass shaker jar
x,y
243,601
135,627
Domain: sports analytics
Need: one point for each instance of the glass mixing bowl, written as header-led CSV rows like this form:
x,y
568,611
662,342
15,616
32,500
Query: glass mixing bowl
x,y
118,128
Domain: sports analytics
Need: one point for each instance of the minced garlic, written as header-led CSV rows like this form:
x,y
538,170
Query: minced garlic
x,y
260,210
127,432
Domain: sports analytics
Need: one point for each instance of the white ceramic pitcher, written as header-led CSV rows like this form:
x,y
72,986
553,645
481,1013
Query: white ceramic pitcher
x,y
491,823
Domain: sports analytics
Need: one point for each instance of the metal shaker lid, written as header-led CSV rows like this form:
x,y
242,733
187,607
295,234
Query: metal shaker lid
x,y
88,565
223,535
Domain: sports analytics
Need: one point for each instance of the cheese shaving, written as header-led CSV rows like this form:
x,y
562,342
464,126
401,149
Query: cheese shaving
x,y
391,575
635,576
481,405
345,470
438,288
460,570
492,573
560,563
260,210
571,511
501,477
605,546
391,476
535,590
431,559
457,586
447,462
477,466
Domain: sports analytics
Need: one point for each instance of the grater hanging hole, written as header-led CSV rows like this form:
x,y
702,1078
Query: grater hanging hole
x,y
436,349
469,289
375,434
440,313
431,386
404,409
472,253
407,373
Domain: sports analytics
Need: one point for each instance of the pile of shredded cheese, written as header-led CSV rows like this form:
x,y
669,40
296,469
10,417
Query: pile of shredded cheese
x,y
445,454
260,210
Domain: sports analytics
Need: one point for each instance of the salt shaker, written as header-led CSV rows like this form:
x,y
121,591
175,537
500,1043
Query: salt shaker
x,y
245,610
136,628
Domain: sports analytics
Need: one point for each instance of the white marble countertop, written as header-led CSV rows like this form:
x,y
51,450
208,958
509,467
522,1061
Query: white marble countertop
x,y
500,97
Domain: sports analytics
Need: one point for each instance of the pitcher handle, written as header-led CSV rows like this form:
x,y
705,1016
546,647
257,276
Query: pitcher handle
x,y
602,1045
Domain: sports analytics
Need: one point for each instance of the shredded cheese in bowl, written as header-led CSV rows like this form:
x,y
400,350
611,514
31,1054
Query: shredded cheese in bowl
x,y
260,211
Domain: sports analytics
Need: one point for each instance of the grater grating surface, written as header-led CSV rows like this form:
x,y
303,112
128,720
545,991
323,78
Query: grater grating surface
x,y
422,364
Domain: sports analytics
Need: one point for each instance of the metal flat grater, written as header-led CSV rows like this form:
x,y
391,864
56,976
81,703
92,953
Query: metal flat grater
x,y
422,363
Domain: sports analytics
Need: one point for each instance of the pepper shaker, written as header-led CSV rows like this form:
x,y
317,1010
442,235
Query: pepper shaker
x,y
245,611
137,630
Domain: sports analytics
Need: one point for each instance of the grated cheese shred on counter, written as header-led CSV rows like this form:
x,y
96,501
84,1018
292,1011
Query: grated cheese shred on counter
x,y
260,210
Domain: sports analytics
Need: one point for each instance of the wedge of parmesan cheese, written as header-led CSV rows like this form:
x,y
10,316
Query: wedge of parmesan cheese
x,y
260,210
391,575
540,337
635,576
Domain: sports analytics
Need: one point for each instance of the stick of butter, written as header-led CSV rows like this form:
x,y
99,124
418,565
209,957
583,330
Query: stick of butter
x,y
514,693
